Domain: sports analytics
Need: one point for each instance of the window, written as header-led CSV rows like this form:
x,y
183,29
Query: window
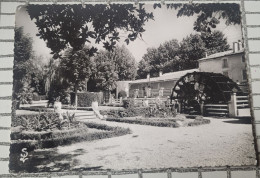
x,y
244,75
225,63
225,73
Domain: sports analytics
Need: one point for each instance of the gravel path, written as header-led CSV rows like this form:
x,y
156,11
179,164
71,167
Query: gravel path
x,y
222,142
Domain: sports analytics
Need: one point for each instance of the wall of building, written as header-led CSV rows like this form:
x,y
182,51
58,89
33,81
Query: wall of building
x,y
122,85
155,87
235,66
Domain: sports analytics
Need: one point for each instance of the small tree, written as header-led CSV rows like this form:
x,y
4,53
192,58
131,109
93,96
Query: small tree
x,y
76,67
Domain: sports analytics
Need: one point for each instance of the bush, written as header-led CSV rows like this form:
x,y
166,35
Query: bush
x,y
160,111
122,94
129,112
128,103
43,121
85,99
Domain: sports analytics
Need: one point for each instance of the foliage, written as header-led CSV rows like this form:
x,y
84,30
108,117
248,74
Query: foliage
x,y
74,69
43,121
22,55
172,56
158,123
50,139
85,99
25,96
28,71
192,48
129,112
215,42
122,94
73,25
209,15
111,66
128,103
60,89
160,111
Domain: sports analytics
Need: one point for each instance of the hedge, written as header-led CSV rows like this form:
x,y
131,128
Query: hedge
x,y
158,123
85,99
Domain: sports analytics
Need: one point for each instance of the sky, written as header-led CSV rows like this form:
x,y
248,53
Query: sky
x,y
164,27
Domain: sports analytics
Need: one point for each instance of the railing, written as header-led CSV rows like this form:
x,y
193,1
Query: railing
x,y
216,109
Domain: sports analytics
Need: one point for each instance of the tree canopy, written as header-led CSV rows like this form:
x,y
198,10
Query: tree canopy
x,y
174,56
111,66
209,14
63,26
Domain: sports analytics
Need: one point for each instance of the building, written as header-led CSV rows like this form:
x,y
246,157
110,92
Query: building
x,y
229,63
152,87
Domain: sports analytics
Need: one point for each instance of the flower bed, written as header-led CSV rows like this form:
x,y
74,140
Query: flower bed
x,y
88,132
178,121
46,130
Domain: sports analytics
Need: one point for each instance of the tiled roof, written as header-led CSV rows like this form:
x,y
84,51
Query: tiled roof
x,y
221,54
166,76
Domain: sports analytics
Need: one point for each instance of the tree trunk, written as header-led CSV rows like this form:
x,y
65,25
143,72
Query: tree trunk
x,y
76,95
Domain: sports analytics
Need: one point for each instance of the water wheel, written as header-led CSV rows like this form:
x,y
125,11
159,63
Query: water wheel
x,y
196,88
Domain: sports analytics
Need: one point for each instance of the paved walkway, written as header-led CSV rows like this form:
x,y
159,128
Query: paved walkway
x,y
222,142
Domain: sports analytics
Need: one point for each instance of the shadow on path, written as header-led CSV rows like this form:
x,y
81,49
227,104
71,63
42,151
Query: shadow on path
x,y
240,120
49,160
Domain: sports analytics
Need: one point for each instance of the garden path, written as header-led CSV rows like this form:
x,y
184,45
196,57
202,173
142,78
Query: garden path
x,y
222,142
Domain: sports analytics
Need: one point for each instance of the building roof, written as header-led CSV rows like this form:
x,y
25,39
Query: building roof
x,y
221,54
165,77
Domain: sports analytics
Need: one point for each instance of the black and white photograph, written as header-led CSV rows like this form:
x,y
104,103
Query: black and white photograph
x,y
129,86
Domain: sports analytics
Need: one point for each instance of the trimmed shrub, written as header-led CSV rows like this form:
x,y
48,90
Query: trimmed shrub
x,y
85,99
128,103
122,94
158,123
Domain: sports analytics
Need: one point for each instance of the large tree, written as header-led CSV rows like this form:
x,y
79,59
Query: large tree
x,y
63,26
192,48
111,66
22,72
22,54
173,56
158,59
215,42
